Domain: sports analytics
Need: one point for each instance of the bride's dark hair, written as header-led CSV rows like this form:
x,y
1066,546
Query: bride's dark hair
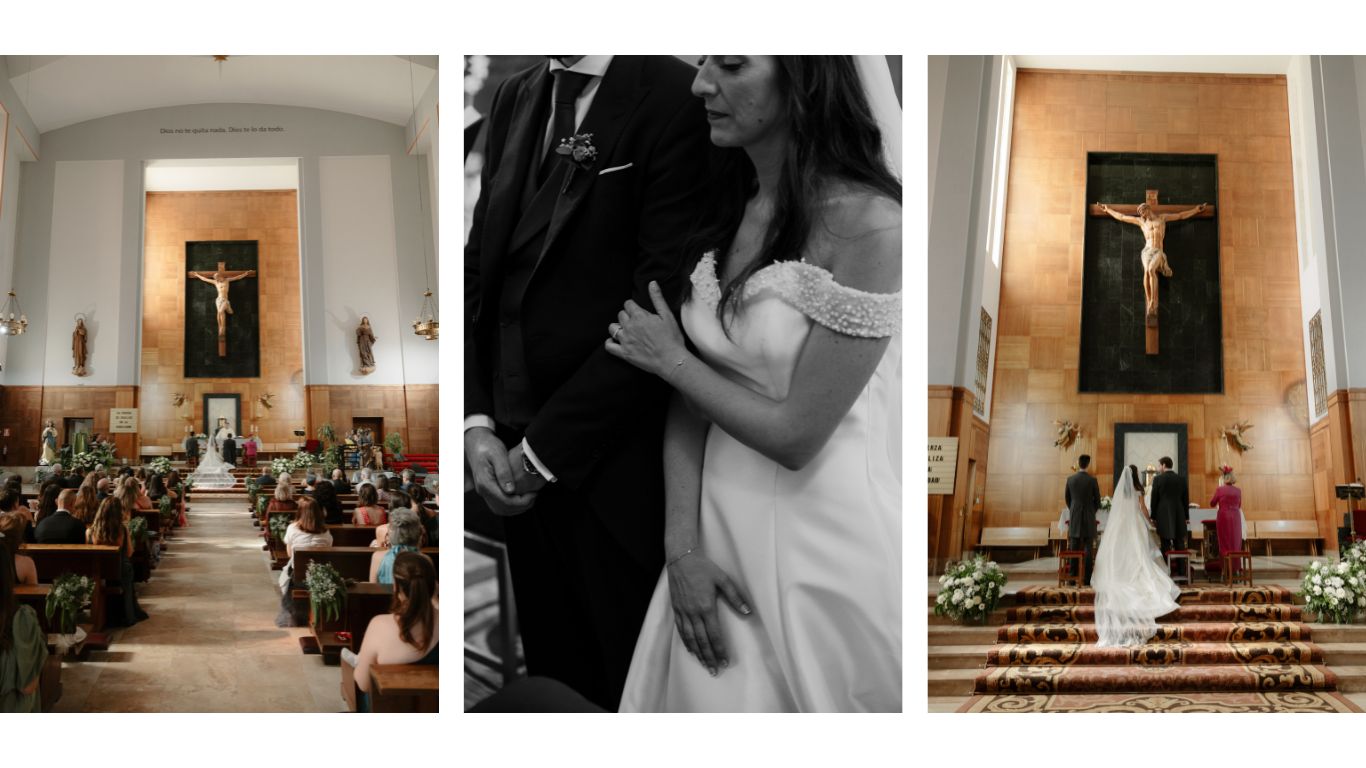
x,y
1138,484
833,136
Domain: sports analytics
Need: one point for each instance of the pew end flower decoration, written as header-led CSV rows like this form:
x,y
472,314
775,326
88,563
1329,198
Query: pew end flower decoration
x,y
326,591
69,594
970,590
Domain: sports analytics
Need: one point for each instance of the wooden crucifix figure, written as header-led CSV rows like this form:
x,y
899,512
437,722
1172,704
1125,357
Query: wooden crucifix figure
x,y
1152,218
220,280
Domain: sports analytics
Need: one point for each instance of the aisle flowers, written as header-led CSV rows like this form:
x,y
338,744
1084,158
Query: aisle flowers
x,y
280,467
970,590
69,594
161,465
279,525
1337,591
326,591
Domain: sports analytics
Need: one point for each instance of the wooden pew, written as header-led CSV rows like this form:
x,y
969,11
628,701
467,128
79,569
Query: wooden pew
x,y
1035,537
364,601
1302,530
350,562
99,562
352,535
404,688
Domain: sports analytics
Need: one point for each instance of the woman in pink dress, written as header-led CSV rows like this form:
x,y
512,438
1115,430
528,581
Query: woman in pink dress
x,y
1229,522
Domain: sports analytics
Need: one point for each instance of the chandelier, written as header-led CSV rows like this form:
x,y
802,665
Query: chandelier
x,y
9,326
426,325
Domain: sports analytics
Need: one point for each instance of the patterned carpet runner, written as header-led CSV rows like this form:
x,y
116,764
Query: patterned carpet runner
x,y
1225,649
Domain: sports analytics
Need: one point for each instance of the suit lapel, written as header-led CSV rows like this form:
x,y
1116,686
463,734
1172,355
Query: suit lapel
x,y
523,144
618,95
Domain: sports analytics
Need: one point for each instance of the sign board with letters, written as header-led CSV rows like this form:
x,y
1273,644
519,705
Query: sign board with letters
x,y
943,464
123,420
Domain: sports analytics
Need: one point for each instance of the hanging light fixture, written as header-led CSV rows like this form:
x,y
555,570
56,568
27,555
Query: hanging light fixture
x,y
9,326
426,325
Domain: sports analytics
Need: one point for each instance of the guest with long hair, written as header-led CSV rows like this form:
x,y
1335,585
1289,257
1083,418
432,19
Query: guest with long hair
x,y
309,529
368,510
110,529
410,632
12,529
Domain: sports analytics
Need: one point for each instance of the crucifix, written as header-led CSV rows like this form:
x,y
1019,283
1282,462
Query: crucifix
x,y
220,280
1152,218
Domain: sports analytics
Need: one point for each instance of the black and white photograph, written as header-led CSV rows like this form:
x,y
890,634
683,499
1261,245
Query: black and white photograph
x,y
682,384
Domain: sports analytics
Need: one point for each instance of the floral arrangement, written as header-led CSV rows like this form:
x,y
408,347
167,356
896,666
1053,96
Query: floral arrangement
x,y
1337,591
1104,502
326,590
40,476
280,466
166,508
69,594
137,529
161,465
279,523
394,442
302,462
253,492
970,589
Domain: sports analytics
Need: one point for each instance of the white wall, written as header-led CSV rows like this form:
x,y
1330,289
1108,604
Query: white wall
x,y
358,266
137,137
18,142
83,264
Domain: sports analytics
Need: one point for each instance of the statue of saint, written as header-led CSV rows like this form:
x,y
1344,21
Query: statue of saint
x,y
1154,226
364,338
78,348
49,453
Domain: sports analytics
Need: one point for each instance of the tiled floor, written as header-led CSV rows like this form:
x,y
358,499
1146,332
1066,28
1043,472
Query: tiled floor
x,y
211,644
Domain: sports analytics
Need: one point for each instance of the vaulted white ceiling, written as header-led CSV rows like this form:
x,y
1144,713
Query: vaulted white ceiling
x,y
63,90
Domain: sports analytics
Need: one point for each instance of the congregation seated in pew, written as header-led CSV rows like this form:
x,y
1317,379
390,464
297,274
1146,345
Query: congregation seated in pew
x,y
110,529
410,632
368,511
12,526
404,534
309,529
326,497
58,526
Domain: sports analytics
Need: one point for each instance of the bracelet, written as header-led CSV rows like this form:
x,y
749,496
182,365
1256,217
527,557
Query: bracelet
x,y
680,557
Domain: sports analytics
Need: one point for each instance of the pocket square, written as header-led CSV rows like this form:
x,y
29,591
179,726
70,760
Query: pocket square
x,y
614,169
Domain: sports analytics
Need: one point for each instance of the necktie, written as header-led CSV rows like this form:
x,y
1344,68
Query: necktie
x,y
568,86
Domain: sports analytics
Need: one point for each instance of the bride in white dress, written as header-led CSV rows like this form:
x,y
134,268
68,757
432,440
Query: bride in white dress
x,y
213,473
1132,583
782,584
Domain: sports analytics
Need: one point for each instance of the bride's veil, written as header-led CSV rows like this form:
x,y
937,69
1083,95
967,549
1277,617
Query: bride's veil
x,y
876,76
1132,588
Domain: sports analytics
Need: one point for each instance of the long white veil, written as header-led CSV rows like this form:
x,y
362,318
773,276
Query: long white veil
x,y
1132,583
876,76
213,473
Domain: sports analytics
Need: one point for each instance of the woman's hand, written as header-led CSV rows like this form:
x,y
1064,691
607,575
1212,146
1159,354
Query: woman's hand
x,y
693,583
651,341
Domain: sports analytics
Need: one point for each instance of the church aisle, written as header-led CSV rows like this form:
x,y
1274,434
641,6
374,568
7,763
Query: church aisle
x,y
211,644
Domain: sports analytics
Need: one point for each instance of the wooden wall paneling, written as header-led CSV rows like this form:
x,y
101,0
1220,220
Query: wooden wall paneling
x,y
20,414
1059,117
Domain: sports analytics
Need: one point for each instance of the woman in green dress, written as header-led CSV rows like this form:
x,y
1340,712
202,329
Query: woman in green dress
x,y
23,648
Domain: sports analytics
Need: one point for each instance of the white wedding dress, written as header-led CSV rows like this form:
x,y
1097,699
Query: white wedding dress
x,y
818,550
213,473
1132,582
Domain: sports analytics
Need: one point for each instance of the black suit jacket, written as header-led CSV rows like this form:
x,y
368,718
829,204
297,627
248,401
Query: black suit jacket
x,y
1082,495
598,421
1171,505
59,528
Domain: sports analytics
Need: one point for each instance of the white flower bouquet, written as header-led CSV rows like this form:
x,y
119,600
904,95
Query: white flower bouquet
x,y
280,466
326,591
302,461
1337,591
69,594
1104,502
161,465
970,590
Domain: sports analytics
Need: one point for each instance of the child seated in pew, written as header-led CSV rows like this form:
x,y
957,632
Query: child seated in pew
x,y
12,527
404,535
410,632
109,529
308,530
23,647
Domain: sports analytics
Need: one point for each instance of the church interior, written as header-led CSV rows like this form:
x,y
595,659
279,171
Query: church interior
x,y
1242,364
227,257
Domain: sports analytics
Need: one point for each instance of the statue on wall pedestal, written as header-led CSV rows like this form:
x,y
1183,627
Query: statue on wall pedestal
x,y
49,452
78,347
365,337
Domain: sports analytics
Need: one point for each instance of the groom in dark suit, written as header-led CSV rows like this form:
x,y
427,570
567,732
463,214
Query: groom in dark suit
x,y
1082,495
1170,506
561,437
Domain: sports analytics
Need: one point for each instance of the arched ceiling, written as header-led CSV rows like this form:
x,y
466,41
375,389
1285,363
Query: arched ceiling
x,y
63,90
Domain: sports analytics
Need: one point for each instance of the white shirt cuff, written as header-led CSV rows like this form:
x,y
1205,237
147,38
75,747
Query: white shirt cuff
x,y
479,420
535,462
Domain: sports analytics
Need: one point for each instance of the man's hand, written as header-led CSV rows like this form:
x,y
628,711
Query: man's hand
x,y
523,481
493,479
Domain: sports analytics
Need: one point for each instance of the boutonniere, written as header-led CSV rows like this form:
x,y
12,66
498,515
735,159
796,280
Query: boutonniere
x,y
579,152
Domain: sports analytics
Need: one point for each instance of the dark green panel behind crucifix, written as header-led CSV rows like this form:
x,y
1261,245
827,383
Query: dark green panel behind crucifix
x,y
243,358
1113,359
